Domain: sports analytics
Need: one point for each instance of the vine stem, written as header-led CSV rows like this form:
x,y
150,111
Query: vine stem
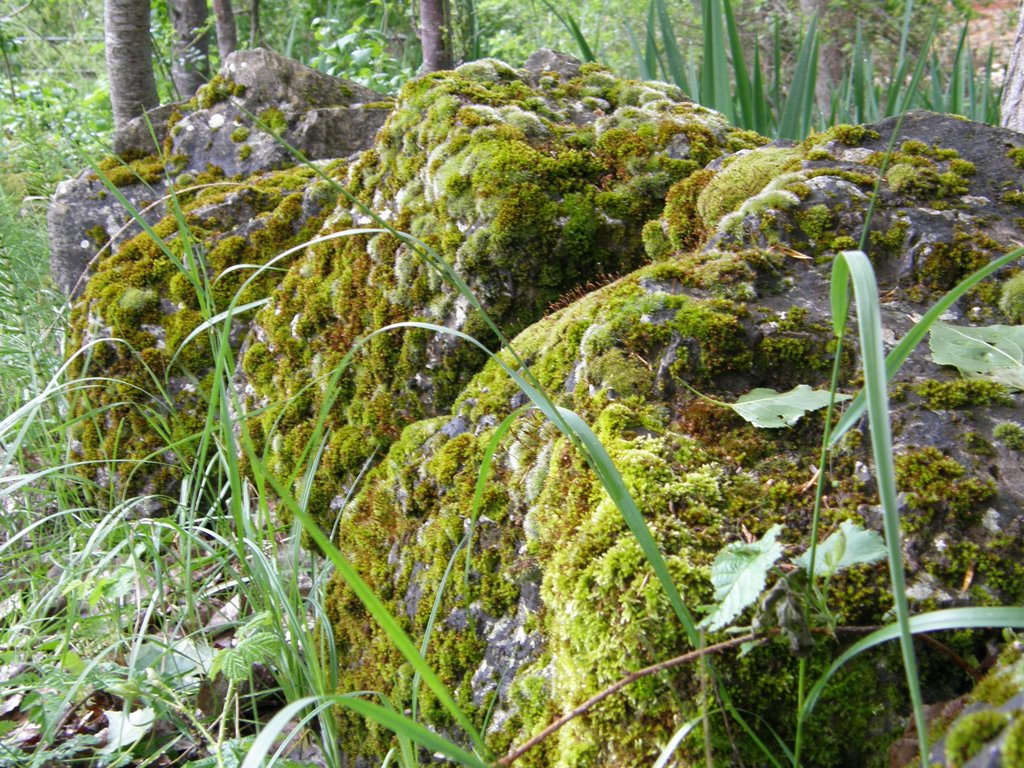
x,y
632,677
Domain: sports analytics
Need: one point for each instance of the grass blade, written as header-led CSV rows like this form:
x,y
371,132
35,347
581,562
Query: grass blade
x,y
854,265
796,114
916,335
948,619
714,82
673,57
572,27
744,92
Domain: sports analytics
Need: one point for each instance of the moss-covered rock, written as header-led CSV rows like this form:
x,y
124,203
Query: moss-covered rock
x,y
532,187
138,323
527,184
560,602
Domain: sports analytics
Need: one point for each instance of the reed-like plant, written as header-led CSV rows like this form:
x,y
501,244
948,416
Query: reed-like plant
x,y
782,101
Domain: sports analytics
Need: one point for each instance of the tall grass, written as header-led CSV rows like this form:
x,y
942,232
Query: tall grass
x,y
780,100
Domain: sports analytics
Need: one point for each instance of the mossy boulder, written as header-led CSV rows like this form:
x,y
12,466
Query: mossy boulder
x,y
640,250
528,184
251,118
146,324
559,601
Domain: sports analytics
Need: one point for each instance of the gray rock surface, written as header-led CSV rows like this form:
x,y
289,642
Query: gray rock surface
x,y
226,132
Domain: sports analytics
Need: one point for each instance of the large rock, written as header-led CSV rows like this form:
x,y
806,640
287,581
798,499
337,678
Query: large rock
x,y
560,601
529,185
685,255
250,118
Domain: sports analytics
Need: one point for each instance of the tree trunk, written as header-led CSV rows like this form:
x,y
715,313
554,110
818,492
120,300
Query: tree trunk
x,y
435,35
1012,106
129,59
190,64
254,24
227,36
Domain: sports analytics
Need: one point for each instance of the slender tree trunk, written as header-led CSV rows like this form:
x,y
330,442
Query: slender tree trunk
x,y
254,24
1012,106
435,35
227,36
190,65
129,59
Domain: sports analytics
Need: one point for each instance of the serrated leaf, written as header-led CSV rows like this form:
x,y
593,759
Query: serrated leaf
x,y
769,409
738,575
994,352
850,545
231,664
258,648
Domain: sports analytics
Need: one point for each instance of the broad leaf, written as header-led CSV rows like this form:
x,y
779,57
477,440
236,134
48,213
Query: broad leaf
x,y
994,352
123,730
850,545
738,575
770,409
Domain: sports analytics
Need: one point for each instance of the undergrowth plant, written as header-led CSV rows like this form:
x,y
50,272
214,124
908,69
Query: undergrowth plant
x,y
778,99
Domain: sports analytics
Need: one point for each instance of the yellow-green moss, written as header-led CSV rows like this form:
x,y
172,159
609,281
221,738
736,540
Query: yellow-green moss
x,y
935,485
274,120
962,393
510,191
970,733
1010,434
143,298
1011,298
743,178
219,89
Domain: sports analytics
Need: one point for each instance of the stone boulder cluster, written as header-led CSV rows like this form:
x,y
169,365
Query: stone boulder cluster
x,y
645,259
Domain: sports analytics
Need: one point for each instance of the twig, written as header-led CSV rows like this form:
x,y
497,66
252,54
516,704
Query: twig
x,y
632,677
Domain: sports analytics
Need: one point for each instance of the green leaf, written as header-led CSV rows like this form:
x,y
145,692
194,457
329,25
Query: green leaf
x,y
850,545
738,575
995,352
123,729
769,409
259,648
231,664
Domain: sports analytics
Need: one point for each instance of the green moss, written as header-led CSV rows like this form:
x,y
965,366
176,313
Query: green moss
x,y
962,393
970,733
1013,744
148,170
219,89
274,120
244,152
139,292
136,299
98,236
843,243
743,178
936,485
1011,299
946,264
510,191
1016,154
816,222
1003,682
240,134
1010,434
851,135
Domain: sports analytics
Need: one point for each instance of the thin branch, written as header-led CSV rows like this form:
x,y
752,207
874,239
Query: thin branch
x,y
632,677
